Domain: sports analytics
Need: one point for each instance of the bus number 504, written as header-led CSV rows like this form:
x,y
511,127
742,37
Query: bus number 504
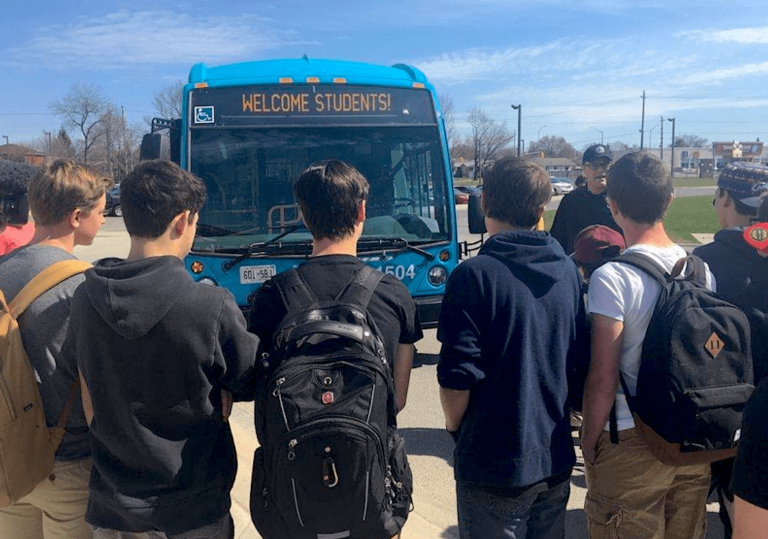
x,y
401,272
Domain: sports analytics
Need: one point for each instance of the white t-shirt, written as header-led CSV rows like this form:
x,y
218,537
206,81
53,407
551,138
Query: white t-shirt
x,y
629,295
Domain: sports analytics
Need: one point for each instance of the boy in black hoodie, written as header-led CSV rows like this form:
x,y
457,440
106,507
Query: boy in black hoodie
x,y
156,352
507,323
741,273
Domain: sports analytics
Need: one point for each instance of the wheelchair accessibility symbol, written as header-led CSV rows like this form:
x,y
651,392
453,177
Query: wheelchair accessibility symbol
x,y
204,115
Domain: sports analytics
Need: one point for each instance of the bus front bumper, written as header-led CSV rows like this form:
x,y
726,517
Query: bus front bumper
x,y
429,310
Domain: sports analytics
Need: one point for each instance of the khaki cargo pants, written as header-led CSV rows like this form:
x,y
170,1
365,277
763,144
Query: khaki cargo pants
x,y
631,494
55,509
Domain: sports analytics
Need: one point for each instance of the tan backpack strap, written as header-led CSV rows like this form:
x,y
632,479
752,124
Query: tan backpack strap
x,y
44,281
70,403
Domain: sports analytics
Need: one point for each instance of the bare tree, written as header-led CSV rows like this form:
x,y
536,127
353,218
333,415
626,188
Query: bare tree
x,y
449,117
81,110
488,138
167,102
554,146
691,141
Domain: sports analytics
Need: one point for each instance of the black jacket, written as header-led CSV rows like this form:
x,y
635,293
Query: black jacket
x,y
155,349
507,324
742,279
741,273
578,210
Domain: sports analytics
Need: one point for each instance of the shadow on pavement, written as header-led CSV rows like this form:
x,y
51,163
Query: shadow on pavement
x,y
430,442
451,532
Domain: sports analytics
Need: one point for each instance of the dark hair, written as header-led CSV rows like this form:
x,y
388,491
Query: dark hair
x,y
329,193
515,190
641,187
762,212
156,192
738,205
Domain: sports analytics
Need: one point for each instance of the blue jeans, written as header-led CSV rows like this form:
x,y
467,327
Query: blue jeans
x,y
537,512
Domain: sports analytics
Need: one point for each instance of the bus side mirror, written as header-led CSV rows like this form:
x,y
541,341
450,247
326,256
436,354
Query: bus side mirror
x,y
475,215
155,146
164,142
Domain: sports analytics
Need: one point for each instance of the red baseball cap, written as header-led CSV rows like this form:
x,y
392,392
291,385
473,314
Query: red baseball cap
x,y
597,244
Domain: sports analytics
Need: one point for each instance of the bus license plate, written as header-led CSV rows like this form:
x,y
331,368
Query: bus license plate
x,y
256,274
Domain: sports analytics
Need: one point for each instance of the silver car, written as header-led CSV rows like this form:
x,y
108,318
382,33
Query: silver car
x,y
560,186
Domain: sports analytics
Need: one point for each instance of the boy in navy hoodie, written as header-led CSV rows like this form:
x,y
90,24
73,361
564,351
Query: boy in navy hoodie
x,y
157,351
508,321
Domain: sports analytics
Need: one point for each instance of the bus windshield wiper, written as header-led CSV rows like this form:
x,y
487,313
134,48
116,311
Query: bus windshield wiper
x,y
260,247
401,244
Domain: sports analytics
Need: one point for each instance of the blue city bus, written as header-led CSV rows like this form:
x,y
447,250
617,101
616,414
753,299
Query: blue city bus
x,y
250,129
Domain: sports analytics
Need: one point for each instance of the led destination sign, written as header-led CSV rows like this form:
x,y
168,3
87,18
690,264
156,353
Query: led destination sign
x,y
312,105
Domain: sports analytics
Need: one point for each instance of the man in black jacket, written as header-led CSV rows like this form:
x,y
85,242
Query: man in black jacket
x,y
157,353
741,273
508,321
586,205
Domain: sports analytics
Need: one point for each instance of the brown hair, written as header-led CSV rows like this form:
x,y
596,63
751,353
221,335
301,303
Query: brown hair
x,y
154,193
329,194
641,187
515,190
62,187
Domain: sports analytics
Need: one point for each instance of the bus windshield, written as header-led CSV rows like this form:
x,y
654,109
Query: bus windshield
x,y
249,174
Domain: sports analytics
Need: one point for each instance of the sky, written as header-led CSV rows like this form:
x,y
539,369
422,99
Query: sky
x,y
577,67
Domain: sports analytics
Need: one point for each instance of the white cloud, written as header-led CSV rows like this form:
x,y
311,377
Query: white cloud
x,y
718,76
123,39
746,36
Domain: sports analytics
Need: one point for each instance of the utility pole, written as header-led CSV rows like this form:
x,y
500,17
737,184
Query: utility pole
x,y
672,164
642,123
661,140
601,133
48,134
519,109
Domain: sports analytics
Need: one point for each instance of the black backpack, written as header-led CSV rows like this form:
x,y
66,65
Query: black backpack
x,y
696,371
331,463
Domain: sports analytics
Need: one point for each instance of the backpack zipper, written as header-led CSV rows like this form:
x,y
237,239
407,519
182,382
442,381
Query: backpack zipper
x,y
280,399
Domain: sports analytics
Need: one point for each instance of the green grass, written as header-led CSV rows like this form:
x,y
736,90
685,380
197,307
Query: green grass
x,y
691,215
694,182
686,216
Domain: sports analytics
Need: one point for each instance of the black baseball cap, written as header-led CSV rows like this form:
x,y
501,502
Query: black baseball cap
x,y
595,152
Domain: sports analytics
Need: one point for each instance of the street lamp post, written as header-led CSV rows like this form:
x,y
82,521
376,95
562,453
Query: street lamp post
x,y
538,135
601,133
519,109
672,165
48,134
6,138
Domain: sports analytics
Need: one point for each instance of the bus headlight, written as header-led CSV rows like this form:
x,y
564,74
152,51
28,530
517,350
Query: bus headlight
x,y
208,281
437,276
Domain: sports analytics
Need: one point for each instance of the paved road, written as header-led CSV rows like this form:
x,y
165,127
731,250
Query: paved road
x,y
421,422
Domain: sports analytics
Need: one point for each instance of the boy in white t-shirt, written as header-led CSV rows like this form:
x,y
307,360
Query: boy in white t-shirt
x,y
628,488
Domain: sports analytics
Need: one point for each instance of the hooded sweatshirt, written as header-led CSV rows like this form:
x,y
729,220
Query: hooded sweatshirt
x,y
741,272
507,323
742,279
155,349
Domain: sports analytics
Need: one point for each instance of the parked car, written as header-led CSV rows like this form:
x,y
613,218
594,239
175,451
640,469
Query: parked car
x,y
560,186
470,189
460,196
113,202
